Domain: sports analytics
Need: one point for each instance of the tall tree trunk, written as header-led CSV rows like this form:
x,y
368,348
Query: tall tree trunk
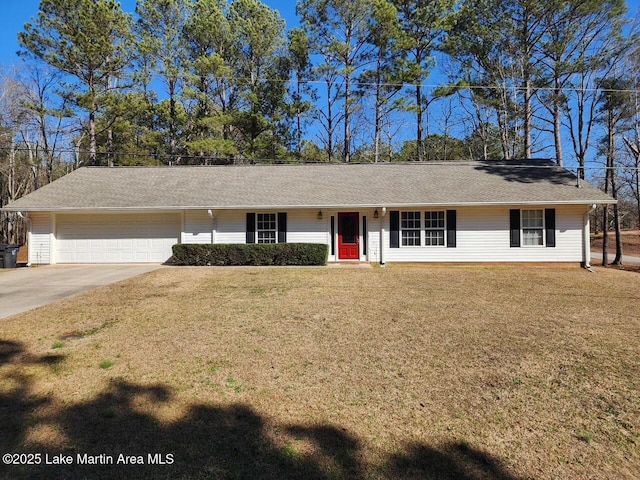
x,y
173,119
110,147
557,134
605,234
607,182
616,219
12,172
329,124
580,151
33,163
93,146
527,85
347,118
419,121
637,192
504,136
298,119
376,141
527,119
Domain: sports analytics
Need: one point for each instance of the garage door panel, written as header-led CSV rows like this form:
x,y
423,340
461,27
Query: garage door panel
x,y
116,238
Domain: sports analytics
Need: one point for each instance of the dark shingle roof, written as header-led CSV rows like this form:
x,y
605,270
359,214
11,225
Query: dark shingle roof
x,y
312,185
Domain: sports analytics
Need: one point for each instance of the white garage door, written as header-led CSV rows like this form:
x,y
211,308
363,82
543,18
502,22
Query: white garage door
x,y
116,238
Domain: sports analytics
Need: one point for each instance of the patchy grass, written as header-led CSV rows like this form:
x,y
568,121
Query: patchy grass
x,y
407,372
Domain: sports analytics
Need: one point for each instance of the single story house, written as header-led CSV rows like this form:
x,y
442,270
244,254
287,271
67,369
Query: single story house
x,y
503,211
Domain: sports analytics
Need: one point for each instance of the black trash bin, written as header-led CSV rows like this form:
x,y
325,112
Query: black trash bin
x,y
8,256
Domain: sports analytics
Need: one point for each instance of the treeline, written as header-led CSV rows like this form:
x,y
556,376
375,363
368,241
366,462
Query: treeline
x,y
225,81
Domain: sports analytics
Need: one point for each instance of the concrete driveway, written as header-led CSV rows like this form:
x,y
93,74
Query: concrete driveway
x,y
25,288
626,259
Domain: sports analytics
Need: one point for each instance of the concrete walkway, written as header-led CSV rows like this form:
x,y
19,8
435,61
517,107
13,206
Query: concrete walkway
x,y
22,289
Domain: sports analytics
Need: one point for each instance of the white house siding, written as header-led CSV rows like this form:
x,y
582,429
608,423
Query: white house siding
x,y
231,226
373,238
198,226
40,238
116,237
303,226
483,235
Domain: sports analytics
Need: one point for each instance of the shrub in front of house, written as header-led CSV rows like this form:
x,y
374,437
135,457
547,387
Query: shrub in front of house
x,y
259,254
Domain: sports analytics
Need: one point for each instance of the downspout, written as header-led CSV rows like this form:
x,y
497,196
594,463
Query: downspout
x,y
28,220
382,235
586,238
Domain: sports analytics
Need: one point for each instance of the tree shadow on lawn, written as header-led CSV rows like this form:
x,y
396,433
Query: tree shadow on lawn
x,y
207,442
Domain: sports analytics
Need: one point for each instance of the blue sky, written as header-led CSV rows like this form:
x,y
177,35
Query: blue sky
x,y
15,13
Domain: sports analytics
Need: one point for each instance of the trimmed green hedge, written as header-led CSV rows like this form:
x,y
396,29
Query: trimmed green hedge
x,y
251,254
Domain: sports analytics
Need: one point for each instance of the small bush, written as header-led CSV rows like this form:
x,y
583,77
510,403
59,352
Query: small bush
x,y
251,254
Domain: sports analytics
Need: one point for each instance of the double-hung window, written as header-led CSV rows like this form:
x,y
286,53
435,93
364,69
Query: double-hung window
x,y
434,228
410,227
533,227
266,228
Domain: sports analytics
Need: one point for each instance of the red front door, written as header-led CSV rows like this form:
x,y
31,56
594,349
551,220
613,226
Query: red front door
x,y
348,244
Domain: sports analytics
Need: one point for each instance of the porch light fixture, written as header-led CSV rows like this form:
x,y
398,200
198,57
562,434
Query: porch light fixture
x,y
376,214
319,214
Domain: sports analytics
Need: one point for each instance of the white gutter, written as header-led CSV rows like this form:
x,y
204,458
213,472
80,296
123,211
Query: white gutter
x,y
303,207
586,238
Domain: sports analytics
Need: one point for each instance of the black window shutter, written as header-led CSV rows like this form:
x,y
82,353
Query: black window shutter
x,y
550,226
282,227
451,229
364,235
394,220
251,228
333,235
514,216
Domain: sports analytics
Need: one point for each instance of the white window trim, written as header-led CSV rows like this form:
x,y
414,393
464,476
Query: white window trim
x,y
266,230
522,228
443,229
420,229
423,229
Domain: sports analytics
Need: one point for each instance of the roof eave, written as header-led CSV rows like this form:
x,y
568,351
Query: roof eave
x,y
302,207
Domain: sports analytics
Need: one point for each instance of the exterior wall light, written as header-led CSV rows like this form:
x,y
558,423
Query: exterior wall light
x,y
319,214
376,214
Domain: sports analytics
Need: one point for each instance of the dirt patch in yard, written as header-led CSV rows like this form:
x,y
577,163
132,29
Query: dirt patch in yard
x,y
406,372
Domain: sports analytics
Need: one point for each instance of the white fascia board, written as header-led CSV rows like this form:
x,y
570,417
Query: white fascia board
x,y
303,207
